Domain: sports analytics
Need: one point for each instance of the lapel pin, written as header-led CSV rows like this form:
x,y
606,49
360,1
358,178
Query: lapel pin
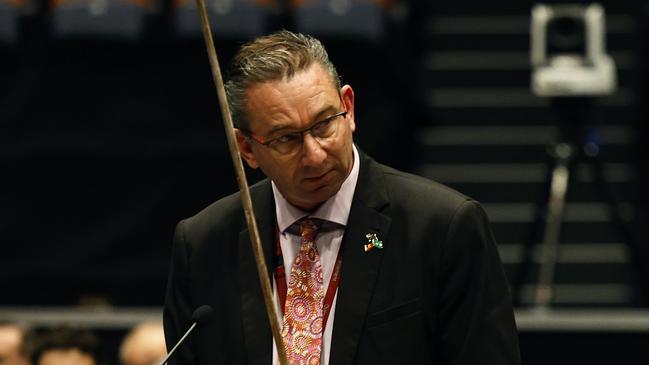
x,y
373,241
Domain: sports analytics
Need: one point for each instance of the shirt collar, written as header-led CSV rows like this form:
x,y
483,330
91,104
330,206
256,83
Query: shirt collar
x,y
335,209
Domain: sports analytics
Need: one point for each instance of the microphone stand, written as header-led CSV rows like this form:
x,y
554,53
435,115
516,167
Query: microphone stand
x,y
182,339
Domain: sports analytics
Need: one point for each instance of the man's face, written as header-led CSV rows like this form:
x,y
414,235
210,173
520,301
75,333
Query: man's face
x,y
10,344
316,172
65,357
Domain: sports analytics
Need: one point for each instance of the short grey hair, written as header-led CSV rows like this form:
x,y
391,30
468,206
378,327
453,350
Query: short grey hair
x,y
274,57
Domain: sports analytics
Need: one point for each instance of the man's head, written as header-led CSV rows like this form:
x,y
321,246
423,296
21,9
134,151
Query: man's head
x,y
12,350
272,58
144,345
294,120
66,346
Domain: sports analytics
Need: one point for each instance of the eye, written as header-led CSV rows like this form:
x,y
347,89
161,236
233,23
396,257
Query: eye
x,y
323,128
288,138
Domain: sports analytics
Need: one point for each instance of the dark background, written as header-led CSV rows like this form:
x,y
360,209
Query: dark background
x,y
107,142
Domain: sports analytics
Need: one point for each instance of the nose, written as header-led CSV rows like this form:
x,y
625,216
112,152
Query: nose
x,y
313,153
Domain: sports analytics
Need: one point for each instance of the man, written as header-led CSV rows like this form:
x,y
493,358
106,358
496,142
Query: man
x,y
143,345
12,344
66,346
396,268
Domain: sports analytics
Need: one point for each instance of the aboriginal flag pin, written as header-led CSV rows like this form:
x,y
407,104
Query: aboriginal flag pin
x,y
372,241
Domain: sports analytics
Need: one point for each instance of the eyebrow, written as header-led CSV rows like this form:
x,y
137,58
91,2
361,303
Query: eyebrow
x,y
325,112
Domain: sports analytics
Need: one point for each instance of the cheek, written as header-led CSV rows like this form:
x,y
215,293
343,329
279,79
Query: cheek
x,y
342,151
283,174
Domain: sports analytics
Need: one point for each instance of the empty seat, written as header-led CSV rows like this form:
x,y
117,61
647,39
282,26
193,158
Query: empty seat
x,y
109,19
232,19
355,19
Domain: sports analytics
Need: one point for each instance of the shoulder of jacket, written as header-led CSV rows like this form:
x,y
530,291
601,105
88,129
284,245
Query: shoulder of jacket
x,y
399,182
225,212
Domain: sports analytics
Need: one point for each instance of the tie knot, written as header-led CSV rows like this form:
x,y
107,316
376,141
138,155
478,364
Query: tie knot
x,y
308,229
312,225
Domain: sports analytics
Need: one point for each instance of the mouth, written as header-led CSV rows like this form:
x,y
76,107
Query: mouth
x,y
317,178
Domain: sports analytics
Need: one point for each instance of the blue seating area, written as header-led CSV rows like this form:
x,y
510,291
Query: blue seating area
x,y
131,20
355,19
99,18
234,19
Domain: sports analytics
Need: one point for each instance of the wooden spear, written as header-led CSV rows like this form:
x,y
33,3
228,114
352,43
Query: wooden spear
x,y
243,185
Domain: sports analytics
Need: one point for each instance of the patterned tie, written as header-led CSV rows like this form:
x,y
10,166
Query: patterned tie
x,y
302,327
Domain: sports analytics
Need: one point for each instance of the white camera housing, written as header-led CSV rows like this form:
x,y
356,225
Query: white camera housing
x,y
571,74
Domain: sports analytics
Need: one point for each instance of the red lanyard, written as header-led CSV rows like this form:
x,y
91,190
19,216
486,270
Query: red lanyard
x,y
280,279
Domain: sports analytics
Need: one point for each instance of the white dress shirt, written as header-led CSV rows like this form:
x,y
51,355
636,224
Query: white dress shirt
x,y
335,209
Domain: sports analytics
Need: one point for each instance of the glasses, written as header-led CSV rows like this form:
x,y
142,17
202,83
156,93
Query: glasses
x,y
291,143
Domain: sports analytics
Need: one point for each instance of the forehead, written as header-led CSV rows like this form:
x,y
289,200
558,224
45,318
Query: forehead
x,y
291,101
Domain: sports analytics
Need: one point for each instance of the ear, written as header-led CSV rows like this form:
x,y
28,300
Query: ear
x,y
347,96
245,149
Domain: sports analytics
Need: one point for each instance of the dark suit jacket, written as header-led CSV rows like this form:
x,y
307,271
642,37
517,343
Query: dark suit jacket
x,y
435,294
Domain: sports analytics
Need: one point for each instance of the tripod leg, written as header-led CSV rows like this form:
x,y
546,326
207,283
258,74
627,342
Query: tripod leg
x,y
524,266
554,217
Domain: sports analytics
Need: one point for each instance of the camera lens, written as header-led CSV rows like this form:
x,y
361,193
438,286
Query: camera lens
x,y
566,35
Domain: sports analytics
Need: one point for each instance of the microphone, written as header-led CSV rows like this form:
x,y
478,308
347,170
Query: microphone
x,y
200,316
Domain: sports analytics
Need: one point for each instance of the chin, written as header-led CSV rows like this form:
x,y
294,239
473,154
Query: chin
x,y
326,195
315,201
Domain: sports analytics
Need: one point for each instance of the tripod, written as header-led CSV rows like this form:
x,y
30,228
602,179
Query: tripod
x,y
574,145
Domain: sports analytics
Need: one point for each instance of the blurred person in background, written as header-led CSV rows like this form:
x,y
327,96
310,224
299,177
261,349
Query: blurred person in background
x,y
66,346
12,344
143,345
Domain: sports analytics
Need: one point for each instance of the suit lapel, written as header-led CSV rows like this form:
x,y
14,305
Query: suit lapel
x,y
256,326
360,268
